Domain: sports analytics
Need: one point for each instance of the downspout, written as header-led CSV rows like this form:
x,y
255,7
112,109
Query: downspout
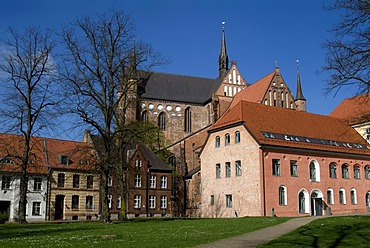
x,y
263,183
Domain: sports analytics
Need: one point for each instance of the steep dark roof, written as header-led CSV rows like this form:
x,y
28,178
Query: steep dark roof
x,y
155,162
178,88
192,173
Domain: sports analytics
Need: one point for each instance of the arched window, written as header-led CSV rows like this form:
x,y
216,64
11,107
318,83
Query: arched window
x,y
172,161
367,172
282,196
237,137
225,90
330,196
342,196
227,139
353,197
187,124
302,203
217,141
367,200
333,170
314,171
162,121
144,116
345,173
356,172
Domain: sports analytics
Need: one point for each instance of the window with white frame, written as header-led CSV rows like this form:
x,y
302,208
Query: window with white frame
x,y
110,203
342,196
353,197
238,168
312,172
110,180
37,182
227,169
89,202
282,196
293,168
229,201
152,201
218,141
163,202
276,167
163,182
152,182
367,172
36,208
368,199
227,139
345,173
119,202
356,172
218,170
303,203
137,164
330,196
137,181
237,137
333,170
137,201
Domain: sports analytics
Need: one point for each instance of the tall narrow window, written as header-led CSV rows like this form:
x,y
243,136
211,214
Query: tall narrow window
x,y
76,181
276,167
152,201
367,172
137,181
329,193
61,178
163,202
238,168
109,180
293,168
137,201
37,182
137,164
229,201
312,172
89,202
212,200
227,139
162,121
237,137
75,201
282,196
5,183
302,203
153,180
333,170
163,182
342,196
187,124
345,171
90,182
353,197
356,172
217,141
218,170
36,208
367,199
227,169
119,203
144,117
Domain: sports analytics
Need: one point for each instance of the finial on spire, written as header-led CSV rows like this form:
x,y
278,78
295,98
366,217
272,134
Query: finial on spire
x,y
276,63
297,61
223,25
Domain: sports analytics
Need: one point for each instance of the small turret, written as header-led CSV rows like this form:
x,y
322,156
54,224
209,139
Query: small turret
x,y
300,101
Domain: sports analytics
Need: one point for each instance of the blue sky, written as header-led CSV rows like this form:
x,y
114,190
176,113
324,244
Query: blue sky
x,y
188,33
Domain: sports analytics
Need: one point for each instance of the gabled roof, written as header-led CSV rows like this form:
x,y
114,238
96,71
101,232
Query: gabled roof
x,y
353,110
44,154
295,129
156,163
255,92
178,88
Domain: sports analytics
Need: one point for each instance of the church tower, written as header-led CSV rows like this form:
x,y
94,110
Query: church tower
x,y
223,58
300,101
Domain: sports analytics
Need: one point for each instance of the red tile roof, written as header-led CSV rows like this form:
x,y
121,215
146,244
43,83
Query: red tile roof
x,y
259,118
353,110
11,146
254,92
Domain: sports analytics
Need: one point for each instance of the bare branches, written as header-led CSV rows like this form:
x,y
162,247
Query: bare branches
x,y
348,56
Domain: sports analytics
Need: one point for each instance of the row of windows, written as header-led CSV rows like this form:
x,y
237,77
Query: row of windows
x,y
162,119
227,139
76,181
76,202
152,202
152,181
238,169
7,180
315,170
229,200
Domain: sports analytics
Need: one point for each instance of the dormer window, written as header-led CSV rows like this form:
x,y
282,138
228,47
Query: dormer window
x,y
6,161
63,159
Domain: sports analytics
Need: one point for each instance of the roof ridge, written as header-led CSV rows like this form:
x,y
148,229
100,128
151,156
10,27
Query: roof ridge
x,y
181,75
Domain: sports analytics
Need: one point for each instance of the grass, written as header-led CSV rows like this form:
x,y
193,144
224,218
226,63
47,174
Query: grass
x,y
134,233
348,231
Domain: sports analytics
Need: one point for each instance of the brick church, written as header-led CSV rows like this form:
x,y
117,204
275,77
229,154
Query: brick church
x,y
185,107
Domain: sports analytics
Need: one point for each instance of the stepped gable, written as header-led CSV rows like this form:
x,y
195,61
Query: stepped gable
x,y
178,88
353,110
294,129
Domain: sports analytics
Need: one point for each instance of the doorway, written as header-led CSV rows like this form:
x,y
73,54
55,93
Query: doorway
x,y
59,207
316,204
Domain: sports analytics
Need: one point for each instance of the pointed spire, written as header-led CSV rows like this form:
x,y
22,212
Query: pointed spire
x,y
299,95
223,59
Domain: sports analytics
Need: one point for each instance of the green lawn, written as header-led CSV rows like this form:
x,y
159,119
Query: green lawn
x,y
137,233
348,231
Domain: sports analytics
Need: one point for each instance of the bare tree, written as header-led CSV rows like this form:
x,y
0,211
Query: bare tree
x,y
101,74
348,55
28,75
